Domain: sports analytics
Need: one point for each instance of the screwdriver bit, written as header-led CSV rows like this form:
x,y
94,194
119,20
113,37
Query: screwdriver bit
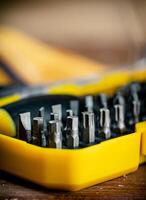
x,y
88,127
42,114
104,131
54,116
89,103
131,88
135,88
134,109
69,113
24,127
55,138
102,101
119,119
57,109
72,132
43,139
38,132
74,105
119,99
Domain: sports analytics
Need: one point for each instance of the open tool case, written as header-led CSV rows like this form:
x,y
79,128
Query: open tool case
x,y
70,169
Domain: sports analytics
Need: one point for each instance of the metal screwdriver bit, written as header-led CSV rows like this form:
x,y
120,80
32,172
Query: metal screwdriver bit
x,y
104,131
88,127
24,127
42,114
89,103
55,138
132,88
102,101
72,132
54,116
43,139
57,109
69,113
136,110
119,99
119,119
38,134
135,88
134,106
74,105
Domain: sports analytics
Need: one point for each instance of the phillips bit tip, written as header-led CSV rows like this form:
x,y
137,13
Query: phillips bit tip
x,y
105,131
72,132
88,127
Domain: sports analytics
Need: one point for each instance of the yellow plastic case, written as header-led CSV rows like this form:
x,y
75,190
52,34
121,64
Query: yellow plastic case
x,y
71,169
108,84
74,169
142,127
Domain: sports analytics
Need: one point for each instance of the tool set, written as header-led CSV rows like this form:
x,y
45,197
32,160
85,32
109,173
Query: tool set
x,y
87,121
72,142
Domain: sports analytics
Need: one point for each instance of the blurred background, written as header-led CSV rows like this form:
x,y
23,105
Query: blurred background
x,y
110,31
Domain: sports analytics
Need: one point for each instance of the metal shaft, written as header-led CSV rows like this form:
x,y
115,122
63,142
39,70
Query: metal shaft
x,y
38,133
69,113
57,109
119,119
72,132
54,116
24,127
136,110
119,99
135,87
88,127
89,103
42,114
74,105
105,131
102,101
55,138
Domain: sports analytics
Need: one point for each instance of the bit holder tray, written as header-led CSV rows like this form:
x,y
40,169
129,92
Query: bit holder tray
x,y
69,169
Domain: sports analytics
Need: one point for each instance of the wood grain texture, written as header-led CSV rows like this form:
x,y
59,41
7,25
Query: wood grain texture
x,y
132,186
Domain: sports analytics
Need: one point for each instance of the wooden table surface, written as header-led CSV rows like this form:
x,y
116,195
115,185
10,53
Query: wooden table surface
x,y
132,186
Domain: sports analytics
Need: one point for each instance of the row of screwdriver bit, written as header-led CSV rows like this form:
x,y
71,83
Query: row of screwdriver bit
x,y
89,120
